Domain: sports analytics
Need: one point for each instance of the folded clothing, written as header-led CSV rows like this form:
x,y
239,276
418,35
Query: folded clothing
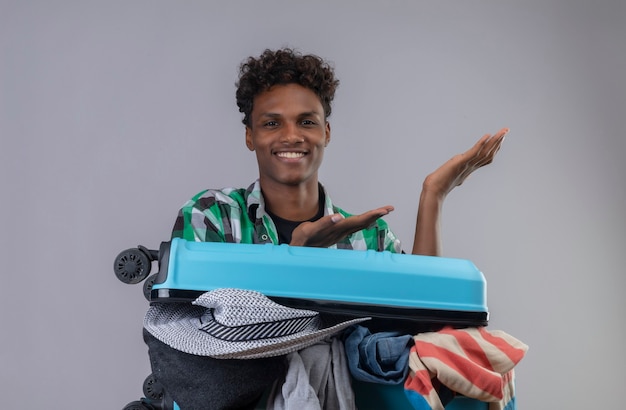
x,y
317,379
201,382
474,362
380,357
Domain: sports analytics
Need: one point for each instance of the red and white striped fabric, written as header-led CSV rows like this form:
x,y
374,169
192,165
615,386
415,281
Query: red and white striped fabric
x,y
474,362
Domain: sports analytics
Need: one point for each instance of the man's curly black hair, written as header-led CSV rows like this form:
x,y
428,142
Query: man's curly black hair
x,y
284,66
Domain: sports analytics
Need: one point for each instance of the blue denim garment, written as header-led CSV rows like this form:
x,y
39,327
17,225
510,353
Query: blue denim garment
x,y
381,357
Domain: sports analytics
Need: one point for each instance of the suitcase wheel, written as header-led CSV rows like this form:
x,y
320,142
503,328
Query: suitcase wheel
x,y
132,266
152,388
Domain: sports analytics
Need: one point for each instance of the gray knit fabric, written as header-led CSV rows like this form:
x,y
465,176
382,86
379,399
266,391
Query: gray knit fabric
x,y
317,378
236,324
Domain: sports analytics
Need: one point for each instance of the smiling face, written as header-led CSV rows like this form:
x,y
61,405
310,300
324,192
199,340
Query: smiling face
x,y
288,132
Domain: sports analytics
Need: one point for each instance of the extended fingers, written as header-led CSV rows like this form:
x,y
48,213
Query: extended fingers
x,y
494,145
382,211
483,152
357,222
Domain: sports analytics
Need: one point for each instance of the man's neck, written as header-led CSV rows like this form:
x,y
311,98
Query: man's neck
x,y
292,202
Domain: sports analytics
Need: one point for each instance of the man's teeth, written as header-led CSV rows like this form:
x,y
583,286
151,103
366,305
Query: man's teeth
x,y
290,154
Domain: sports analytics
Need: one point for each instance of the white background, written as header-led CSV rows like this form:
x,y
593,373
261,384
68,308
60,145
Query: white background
x,y
113,113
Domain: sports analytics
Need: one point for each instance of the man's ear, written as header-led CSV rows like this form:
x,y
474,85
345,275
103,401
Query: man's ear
x,y
327,139
249,143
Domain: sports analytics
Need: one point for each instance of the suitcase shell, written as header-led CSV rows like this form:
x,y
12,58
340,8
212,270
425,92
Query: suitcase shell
x,y
357,283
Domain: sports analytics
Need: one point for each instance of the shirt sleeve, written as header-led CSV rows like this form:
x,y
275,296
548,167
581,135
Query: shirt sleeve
x,y
198,220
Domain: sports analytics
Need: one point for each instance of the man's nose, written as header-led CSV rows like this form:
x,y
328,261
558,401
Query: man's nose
x,y
291,134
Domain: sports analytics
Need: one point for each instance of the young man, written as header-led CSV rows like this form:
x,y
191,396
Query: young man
x,y
286,101
286,98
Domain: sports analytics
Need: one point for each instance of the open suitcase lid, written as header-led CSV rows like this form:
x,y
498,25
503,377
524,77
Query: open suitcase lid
x,y
381,285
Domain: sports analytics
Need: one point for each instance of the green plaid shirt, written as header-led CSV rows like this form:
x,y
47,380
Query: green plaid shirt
x,y
238,215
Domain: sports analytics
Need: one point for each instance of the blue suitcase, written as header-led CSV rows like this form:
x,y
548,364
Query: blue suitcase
x,y
399,292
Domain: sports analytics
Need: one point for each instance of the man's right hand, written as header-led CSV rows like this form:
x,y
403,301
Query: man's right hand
x,y
331,229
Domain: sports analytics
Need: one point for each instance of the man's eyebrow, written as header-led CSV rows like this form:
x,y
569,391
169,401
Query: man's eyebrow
x,y
270,114
309,113
302,114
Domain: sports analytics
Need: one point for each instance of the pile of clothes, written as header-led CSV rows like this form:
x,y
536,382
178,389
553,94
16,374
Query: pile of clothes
x,y
201,353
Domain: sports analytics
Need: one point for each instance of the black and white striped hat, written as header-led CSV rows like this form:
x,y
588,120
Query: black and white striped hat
x,y
236,324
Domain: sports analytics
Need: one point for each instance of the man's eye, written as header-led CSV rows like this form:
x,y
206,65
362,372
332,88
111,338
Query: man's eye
x,y
270,124
308,122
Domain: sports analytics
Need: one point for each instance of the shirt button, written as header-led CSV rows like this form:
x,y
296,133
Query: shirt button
x,y
264,237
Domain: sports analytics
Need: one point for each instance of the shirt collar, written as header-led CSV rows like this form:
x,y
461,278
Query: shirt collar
x,y
256,205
